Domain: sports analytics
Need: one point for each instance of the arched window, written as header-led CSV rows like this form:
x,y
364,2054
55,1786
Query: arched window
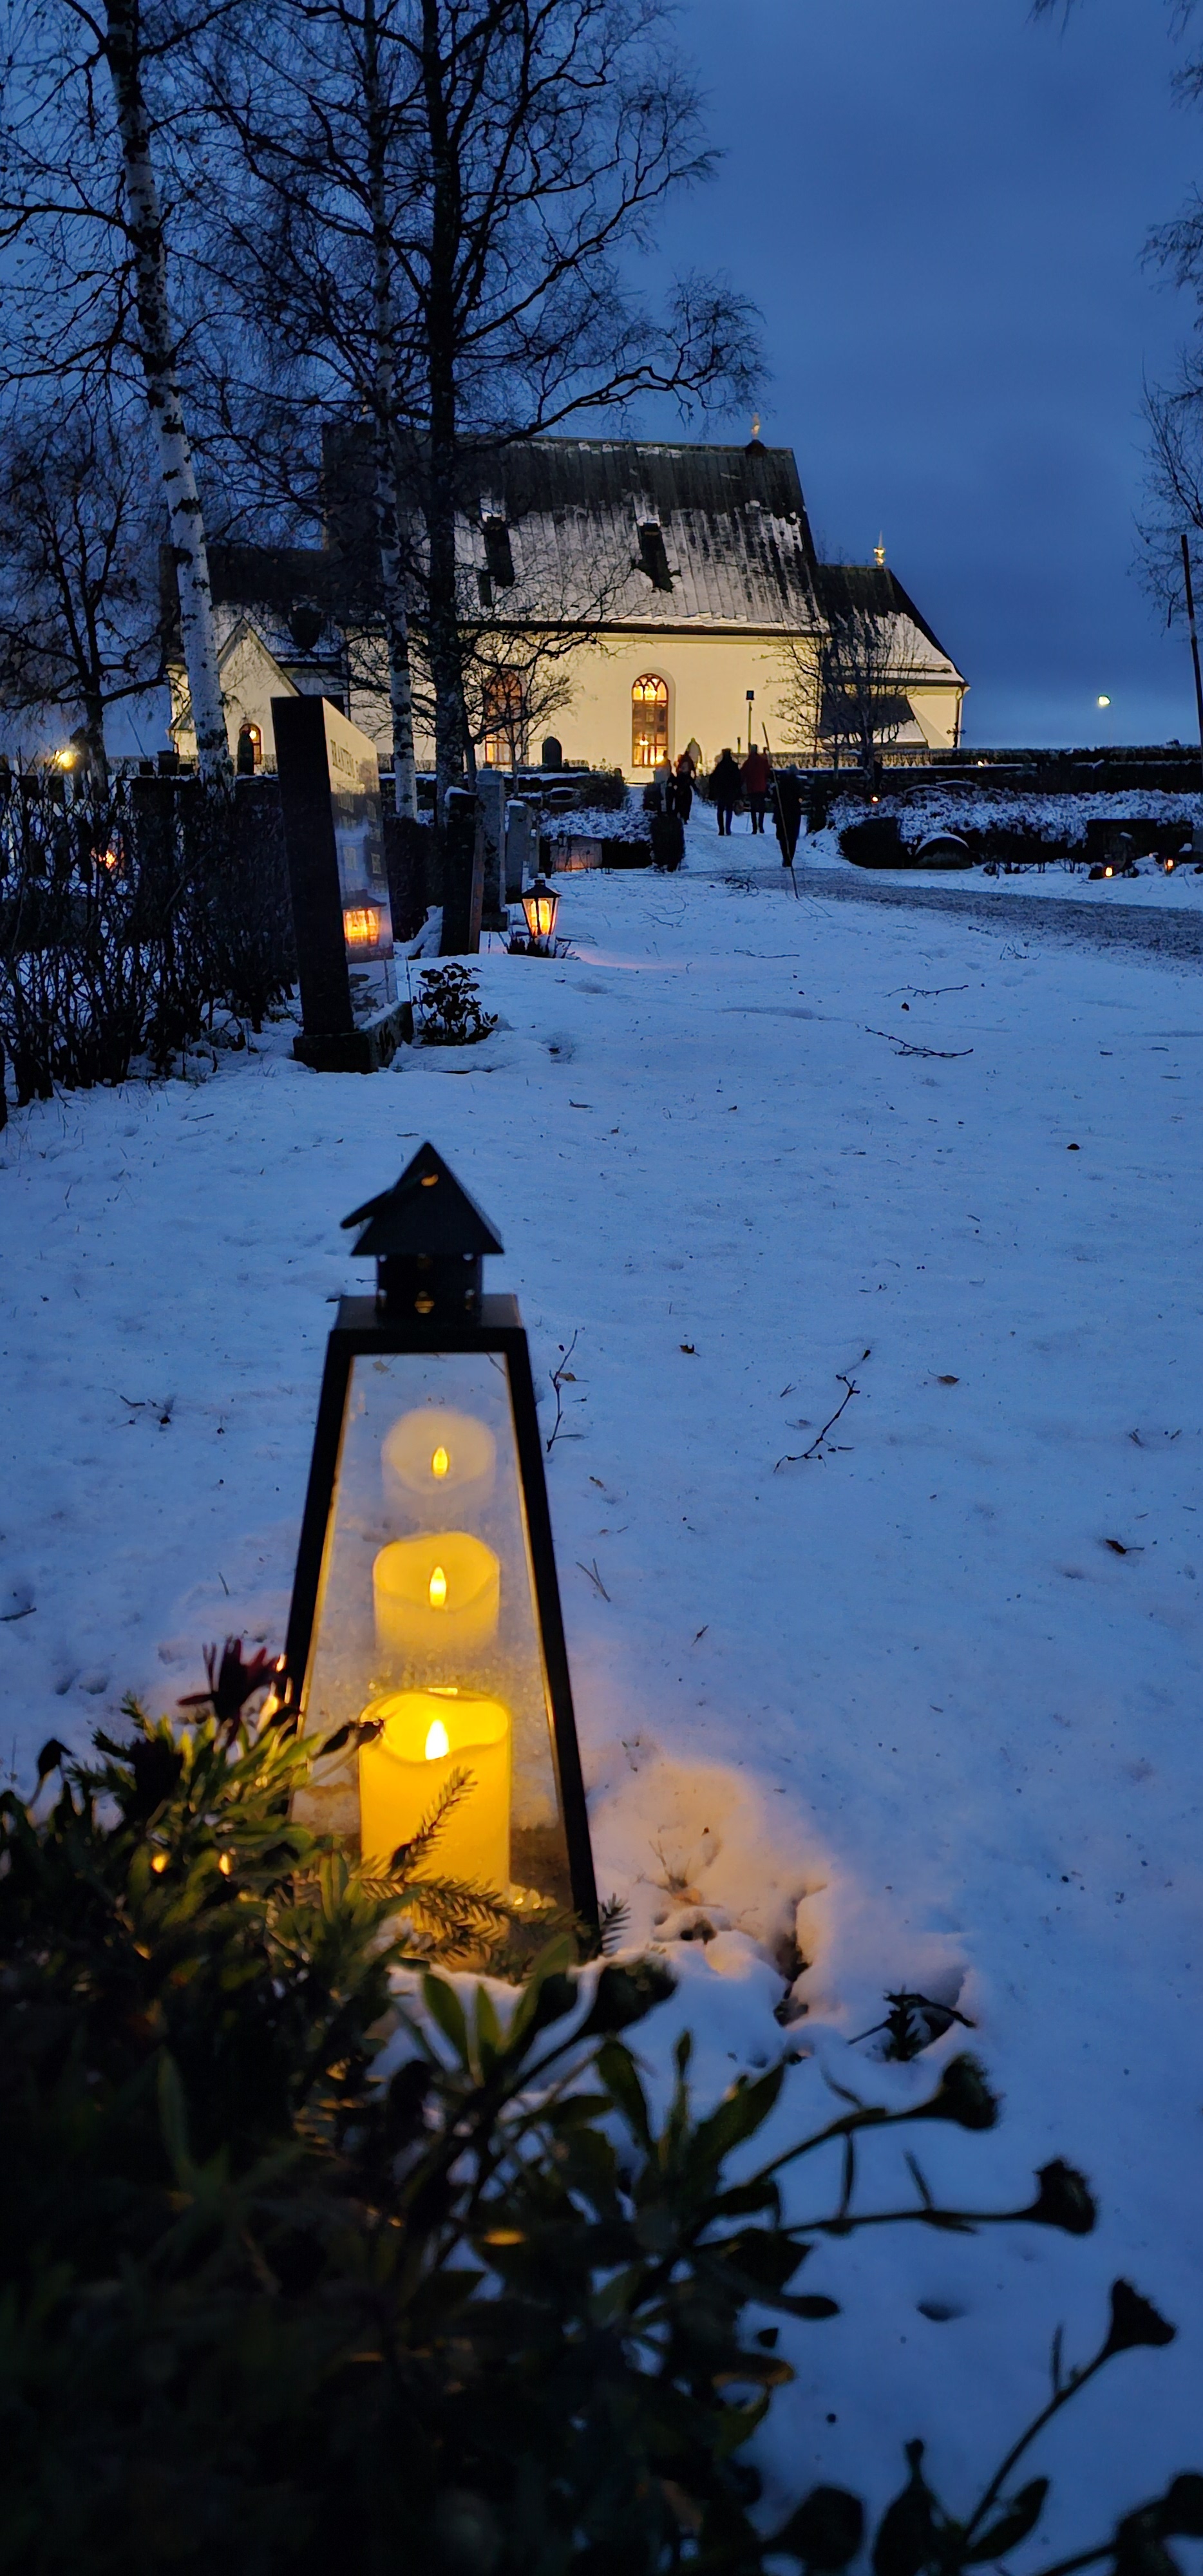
x,y
649,721
505,720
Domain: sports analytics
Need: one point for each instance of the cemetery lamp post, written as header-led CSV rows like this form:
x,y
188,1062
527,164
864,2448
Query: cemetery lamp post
x,y
426,1613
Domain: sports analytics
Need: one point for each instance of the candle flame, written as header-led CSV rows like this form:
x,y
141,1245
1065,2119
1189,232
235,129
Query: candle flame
x,y
440,1463
438,1589
438,1742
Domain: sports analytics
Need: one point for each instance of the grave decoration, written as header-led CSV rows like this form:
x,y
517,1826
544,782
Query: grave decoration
x,y
425,1642
540,908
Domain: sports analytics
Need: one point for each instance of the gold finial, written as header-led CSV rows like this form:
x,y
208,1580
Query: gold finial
x,y
879,550
755,424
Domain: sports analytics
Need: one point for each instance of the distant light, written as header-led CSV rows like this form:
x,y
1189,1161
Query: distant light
x,y
1103,702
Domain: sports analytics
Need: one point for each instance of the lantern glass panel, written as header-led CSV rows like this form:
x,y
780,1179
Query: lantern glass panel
x,y
540,907
426,1624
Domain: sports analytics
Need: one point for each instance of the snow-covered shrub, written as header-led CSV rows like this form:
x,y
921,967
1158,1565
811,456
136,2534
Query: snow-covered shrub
x,y
875,843
308,2268
604,791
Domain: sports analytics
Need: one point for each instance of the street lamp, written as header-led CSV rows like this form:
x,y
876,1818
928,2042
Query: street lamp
x,y
426,1612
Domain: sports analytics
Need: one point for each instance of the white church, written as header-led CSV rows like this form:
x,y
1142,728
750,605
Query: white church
x,y
627,598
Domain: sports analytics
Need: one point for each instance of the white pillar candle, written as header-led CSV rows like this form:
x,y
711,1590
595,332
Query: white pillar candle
x,y
437,1457
435,1595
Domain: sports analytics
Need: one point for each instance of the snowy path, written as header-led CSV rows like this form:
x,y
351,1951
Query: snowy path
x,y
941,1684
1170,931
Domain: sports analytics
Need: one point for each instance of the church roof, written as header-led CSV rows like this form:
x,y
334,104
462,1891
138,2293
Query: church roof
x,y
621,533
650,534
873,590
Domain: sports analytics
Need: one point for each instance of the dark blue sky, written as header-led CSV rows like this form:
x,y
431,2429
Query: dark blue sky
x,y
940,206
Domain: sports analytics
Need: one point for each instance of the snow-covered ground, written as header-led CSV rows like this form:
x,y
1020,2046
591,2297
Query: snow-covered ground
x,y
932,1694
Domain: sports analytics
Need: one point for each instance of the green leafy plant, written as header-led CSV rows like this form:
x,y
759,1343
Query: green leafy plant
x,y
912,2023
450,1008
304,2267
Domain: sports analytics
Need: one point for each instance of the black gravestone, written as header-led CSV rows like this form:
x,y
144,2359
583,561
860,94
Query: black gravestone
x,y
463,876
330,802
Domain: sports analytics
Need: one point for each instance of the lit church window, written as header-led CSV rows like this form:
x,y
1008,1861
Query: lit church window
x,y
649,721
504,745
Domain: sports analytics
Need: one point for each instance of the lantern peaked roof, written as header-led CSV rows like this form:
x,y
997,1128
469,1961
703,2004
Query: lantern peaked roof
x,y
426,1212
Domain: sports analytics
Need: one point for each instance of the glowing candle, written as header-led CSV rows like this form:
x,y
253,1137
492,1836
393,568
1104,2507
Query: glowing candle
x,y
438,1594
425,1736
435,1452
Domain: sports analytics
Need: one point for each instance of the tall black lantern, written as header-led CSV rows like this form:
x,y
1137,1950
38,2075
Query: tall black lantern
x,y
426,1605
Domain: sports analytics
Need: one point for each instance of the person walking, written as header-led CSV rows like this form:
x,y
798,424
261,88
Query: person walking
x,y
787,812
757,779
724,789
683,791
662,777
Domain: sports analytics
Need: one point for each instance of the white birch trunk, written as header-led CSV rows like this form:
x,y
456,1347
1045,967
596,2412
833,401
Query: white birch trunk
x,y
388,528
144,224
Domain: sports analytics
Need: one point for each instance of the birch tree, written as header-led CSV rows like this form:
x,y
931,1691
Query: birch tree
x,y
388,512
82,221
303,222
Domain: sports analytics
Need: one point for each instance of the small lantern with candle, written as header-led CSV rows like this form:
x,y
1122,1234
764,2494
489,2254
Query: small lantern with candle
x,y
426,1614
540,907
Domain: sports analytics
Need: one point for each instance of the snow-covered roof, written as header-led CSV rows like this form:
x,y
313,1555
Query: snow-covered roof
x,y
874,591
618,533
655,535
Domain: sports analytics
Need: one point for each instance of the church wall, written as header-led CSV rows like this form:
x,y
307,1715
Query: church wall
x,y
250,679
937,714
707,677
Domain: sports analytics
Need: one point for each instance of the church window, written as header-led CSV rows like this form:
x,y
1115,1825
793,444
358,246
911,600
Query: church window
x,y
504,745
649,721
